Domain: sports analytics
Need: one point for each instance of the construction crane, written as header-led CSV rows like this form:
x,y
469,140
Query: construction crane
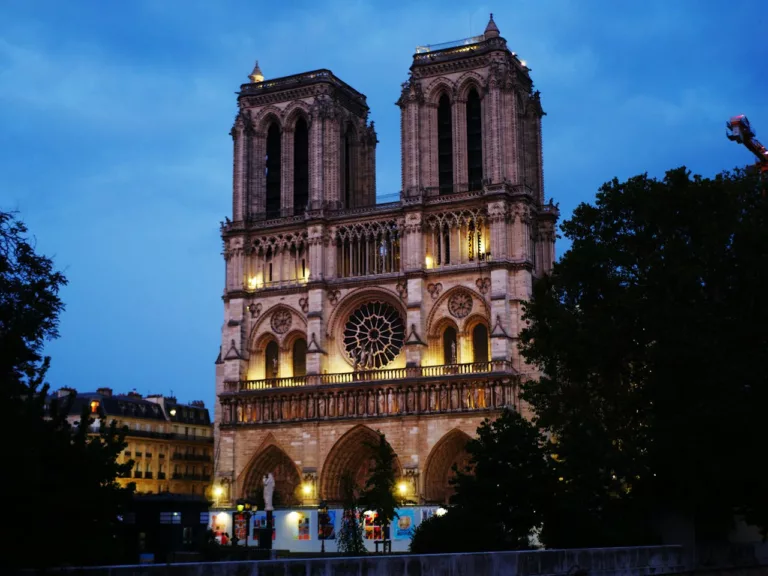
x,y
739,130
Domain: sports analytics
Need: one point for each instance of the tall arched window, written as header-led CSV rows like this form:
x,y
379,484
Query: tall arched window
x,y
349,166
480,343
474,141
450,346
300,166
273,171
444,145
300,358
272,360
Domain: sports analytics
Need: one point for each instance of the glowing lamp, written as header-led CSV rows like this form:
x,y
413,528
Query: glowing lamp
x,y
307,489
440,512
428,261
218,491
402,487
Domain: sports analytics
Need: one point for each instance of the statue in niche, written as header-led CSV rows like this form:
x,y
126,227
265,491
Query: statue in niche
x,y
383,253
432,400
382,407
468,399
360,404
409,400
499,396
274,367
423,400
391,402
331,406
371,404
476,396
286,409
443,398
311,407
321,407
342,405
239,412
269,489
453,352
454,398
275,409
350,405
227,411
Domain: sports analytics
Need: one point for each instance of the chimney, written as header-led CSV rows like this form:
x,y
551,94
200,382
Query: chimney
x,y
134,394
106,392
65,391
171,399
198,403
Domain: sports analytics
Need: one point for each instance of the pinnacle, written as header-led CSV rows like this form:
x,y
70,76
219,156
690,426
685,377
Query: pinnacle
x,y
491,31
256,75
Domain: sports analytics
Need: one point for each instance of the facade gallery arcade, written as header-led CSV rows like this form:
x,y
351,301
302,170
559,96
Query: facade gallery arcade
x,y
343,316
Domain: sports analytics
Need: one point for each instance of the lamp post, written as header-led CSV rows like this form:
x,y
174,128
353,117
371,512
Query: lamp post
x,y
322,520
244,509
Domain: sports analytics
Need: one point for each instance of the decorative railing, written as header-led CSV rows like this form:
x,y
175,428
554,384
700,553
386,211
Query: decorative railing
x,y
296,80
458,49
452,44
362,376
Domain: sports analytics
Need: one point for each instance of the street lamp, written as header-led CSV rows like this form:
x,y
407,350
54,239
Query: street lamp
x,y
244,509
322,520
217,493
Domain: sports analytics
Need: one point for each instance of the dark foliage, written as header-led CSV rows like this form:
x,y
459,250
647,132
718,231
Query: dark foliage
x,y
62,491
379,494
501,499
350,536
650,333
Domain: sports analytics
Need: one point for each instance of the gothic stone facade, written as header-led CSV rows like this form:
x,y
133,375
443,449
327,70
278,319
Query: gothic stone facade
x,y
343,316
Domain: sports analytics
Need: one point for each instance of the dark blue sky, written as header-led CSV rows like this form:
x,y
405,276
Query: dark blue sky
x,y
114,120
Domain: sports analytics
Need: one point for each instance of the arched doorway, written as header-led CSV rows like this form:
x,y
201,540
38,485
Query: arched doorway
x,y
450,346
438,470
480,343
272,360
352,453
287,479
299,354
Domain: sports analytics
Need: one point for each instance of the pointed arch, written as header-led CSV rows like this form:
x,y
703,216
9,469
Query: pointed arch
x,y
294,112
466,82
441,306
270,457
267,116
259,329
438,87
351,453
438,468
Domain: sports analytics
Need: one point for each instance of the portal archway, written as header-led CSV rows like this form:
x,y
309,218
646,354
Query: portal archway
x,y
287,479
351,453
449,450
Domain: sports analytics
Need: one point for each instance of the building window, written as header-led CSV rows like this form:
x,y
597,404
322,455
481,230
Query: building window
x,y
450,346
170,517
300,357
474,141
444,145
272,359
300,166
94,406
273,170
480,343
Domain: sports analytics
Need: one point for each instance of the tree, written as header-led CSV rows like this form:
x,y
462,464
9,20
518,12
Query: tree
x,y
650,335
379,494
350,539
501,498
63,490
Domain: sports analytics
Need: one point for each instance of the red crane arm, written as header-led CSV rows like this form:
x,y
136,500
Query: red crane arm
x,y
739,130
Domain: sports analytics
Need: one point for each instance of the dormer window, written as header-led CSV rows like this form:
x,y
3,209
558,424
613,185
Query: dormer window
x,y
94,406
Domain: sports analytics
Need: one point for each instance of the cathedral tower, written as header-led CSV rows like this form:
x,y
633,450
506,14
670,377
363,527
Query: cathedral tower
x,y
343,316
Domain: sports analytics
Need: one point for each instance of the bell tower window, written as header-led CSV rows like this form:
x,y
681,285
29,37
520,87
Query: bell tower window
x,y
444,145
349,166
449,346
480,343
272,360
474,141
300,166
273,171
300,358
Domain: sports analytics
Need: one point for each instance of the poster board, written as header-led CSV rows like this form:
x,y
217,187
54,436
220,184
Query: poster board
x,y
402,527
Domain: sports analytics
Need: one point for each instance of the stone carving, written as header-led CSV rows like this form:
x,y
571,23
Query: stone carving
x,y
402,290
281,321
434,290
269,489
453,352
254,309
333,296
483,284
460,304
304,303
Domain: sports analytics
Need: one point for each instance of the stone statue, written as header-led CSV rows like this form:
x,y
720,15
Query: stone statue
x,y
453,352
274,367
383,253
269,489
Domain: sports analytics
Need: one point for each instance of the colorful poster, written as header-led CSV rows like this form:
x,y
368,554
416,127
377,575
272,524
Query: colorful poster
x,y
326,525
427,513
402,527
300,528
240,526
372,529
259,521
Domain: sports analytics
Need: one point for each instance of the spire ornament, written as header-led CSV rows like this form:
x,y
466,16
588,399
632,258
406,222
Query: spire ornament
x,y
491,31
256,75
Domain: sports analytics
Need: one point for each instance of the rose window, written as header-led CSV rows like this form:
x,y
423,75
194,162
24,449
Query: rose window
x,y
374,335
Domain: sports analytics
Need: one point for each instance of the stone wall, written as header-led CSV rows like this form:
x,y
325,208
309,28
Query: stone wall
x,y
600,561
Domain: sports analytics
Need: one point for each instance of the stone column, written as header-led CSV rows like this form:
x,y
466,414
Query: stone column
x,y
257,184
412,247
459,123
497,219
316,154
238,172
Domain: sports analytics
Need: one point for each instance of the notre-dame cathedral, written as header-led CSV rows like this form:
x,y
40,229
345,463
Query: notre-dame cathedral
x,y
343,317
